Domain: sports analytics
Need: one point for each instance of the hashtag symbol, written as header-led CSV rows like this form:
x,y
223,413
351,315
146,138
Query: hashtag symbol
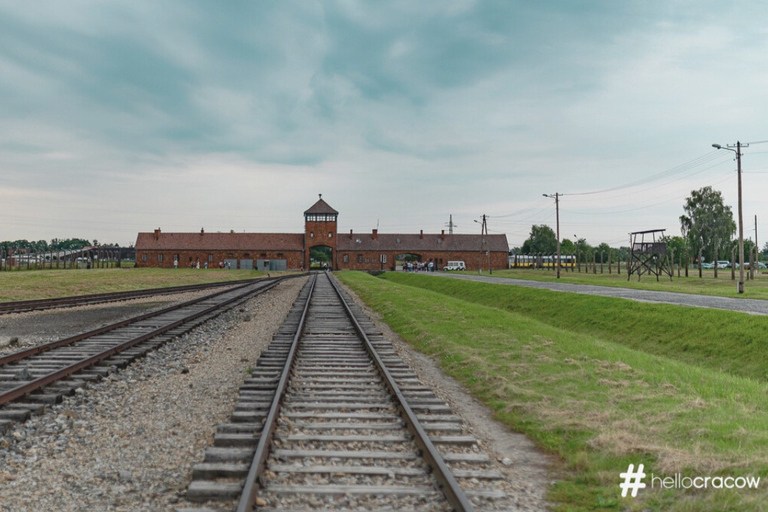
x,y
632,480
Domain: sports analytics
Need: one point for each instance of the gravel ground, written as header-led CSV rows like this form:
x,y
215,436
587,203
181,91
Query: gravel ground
x,y
128,443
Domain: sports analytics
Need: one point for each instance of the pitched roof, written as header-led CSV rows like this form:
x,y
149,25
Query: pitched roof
x,y
321,207
416,243
220,241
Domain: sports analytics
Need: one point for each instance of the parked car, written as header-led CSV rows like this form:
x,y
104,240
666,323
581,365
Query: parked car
x,y
455,265
706,265
747,266
723,264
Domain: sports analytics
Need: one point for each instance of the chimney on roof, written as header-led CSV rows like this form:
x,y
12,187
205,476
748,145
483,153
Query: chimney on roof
x,y
202,231
157,234
421,234
350,234
442,235
375,234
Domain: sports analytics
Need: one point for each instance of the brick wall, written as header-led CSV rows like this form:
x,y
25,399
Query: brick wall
x,y
293,259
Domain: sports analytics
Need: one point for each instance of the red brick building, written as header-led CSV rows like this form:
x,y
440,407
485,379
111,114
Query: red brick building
x,y
355,251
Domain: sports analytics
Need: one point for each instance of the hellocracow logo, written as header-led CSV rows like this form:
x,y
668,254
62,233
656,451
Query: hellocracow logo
x,y
633,481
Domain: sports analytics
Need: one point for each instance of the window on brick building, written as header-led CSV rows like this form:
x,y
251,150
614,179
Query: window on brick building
x,y
210,258
359,258
160,258
144,258
383,258
345,258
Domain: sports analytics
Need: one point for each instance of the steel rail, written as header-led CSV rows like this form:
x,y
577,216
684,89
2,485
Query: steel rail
x,y
251,487
34,385
448,484
75,300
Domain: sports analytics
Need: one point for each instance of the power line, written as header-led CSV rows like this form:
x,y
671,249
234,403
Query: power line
x,y
664,174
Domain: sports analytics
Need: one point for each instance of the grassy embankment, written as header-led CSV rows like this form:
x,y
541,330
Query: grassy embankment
x,y
706,285
600,383
43,284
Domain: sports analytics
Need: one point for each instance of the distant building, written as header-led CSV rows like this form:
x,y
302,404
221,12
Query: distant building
x,y
291,251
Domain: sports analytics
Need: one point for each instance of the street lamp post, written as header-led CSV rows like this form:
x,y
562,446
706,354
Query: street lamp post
x,y
741,217
557,211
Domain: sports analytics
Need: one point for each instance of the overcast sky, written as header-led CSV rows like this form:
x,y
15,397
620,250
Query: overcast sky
x,y
121,117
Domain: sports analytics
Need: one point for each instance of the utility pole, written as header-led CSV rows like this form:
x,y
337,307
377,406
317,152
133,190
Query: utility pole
x,y
451,225
557,212
741,216
484,246
741,221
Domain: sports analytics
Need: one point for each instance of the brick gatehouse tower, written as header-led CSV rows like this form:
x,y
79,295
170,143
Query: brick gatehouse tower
x,y
320,223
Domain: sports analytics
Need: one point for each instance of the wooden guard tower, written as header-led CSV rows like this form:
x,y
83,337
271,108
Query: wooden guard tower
x,y
648,256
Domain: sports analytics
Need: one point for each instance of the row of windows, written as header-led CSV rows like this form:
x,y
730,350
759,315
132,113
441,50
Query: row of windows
x,y
322,217
312,234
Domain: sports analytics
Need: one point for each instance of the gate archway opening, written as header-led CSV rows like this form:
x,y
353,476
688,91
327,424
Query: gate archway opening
x,y
402,260
321,257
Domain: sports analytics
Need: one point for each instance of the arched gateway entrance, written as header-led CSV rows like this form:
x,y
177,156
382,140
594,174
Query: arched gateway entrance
x,y
402,261
321,257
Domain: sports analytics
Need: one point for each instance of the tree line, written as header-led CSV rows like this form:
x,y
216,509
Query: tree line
x,y
57,244
707,227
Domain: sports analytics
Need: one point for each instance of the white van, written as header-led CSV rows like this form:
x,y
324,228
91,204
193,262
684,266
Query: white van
x,y
455,265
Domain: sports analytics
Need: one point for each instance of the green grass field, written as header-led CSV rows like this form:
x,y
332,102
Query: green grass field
x,y
600,383
43,284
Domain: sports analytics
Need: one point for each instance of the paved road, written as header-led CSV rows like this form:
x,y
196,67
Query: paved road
x,y
752,306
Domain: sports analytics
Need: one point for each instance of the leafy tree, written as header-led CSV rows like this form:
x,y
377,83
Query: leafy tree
x,y
541,240
567,247
584,250
707,222
679,245
604,251
321,254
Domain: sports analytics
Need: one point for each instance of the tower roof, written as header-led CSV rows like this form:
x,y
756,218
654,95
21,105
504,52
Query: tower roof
x,y
321,207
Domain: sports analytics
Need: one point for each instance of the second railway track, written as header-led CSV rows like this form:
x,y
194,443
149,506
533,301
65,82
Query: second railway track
x,y
332,418
24,306
32,378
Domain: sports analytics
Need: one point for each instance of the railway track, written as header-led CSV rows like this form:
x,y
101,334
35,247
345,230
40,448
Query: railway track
x,y
24,306
332,418
32,378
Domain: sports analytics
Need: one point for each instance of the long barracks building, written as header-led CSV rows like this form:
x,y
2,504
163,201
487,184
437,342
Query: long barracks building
x,y
291,251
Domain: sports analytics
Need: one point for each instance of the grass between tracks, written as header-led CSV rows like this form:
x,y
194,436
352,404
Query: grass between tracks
x,y
43,284
600,382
